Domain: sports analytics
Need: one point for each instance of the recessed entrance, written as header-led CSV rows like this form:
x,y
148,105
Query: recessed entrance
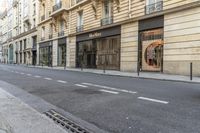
x,y
152,50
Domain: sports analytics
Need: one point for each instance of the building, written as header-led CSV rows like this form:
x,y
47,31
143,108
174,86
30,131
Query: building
x,y
123,35
21,42
4,36
145,35
53,31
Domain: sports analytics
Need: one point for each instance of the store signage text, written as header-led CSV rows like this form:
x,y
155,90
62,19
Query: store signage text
x,y
93,35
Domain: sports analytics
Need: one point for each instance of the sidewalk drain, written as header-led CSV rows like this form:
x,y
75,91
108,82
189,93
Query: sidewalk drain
x,y
64,122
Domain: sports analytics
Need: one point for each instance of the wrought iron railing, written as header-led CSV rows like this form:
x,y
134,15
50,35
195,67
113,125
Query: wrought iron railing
x,y
154,7
106,21
79,28
57,6
42,17
62,33
43,38
50,36
77,1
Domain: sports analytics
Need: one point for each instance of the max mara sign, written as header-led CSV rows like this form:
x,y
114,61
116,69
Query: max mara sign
x,y
99,34
95,34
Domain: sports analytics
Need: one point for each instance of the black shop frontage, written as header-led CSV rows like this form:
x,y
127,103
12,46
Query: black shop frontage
x,y
99,49
45,53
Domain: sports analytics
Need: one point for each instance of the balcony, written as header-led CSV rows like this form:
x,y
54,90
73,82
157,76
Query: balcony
x,y
27,19
57,6
79,28
77,1
42,17
106,21
42,38
156,7
50,36
61,33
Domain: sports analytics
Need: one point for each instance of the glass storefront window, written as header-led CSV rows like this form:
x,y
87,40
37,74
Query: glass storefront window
x,y
62,55
46,56
152,50
99,53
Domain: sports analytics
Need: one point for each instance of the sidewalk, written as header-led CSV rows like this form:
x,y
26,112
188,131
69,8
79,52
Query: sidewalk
x,y
145,75
18,117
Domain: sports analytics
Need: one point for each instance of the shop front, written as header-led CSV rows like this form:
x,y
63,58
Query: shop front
x,y
10,53
62,52
99,49
151,45
45,54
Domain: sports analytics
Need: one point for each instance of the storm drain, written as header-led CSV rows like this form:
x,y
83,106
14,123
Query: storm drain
x,y
64,122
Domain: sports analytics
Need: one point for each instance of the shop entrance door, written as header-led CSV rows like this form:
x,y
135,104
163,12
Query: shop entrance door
x,y
62,55
34,60
108,53
87,54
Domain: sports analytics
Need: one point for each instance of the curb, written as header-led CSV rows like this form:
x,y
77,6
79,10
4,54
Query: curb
x,y
105,74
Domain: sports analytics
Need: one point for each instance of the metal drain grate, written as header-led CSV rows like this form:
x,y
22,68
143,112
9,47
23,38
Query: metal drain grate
x,y
64,122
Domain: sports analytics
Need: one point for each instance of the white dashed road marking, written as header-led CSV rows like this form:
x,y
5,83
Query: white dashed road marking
x,y
112,92
22,73
37,76
153,100
61,81
110,88
48,78
79,85
28,74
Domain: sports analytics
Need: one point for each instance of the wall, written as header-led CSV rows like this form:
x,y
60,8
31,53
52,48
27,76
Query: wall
x,y
182,41
129,46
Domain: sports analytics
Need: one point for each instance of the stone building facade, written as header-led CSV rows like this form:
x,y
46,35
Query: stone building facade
x,y
122,35
21,33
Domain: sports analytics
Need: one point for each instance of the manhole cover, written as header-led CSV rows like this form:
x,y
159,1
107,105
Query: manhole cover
x,y
65,123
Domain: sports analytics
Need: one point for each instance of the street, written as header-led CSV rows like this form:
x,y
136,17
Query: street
x,y
112,103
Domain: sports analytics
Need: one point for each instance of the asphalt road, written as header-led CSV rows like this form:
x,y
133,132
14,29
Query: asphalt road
x,y
114,104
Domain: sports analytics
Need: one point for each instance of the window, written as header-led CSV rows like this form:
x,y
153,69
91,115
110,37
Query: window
x,y
43,9
153,6
61,25
57,1
33,22
107,9
107,13
149,2
43,32
34,9
80,18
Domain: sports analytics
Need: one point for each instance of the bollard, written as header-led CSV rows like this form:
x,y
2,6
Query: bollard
x,y
104,68
81,66
65,66
191,74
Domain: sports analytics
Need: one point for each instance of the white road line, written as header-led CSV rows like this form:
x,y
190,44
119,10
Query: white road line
x,y
28,74
79,85
37,76
110,88
61,81
22,73
153,100
16,72
112,92
48,78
